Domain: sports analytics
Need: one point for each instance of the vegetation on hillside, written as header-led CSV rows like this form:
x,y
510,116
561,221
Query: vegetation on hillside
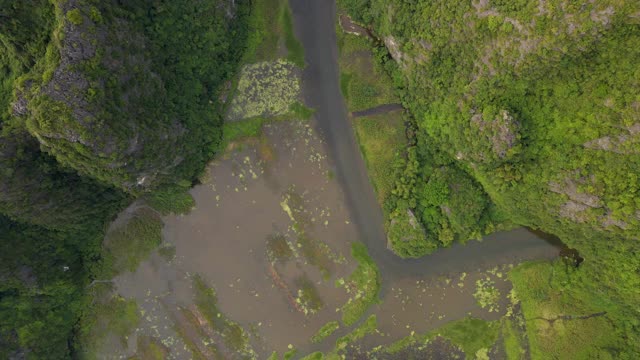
x,y
100,102
527,113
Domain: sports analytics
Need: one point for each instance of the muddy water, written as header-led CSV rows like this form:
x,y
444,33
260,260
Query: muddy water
x,y
224,239
306,181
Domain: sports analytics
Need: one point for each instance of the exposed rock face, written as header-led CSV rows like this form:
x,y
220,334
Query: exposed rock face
x,y
501,131
351,27
72,113
625,143
570,188
394,49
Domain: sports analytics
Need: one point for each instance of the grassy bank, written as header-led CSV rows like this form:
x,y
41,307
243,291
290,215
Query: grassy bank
x,y
563,322
363,82
382,141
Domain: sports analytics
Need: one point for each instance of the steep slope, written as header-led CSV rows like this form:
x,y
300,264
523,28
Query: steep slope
x,y
124,93
100,102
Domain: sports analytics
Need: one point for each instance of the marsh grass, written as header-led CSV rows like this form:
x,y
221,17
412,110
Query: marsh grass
x,y
325,331
234,336
278,248
308,295
513,341
544,296
471,335
168,252
314,251
295,50
265,31
367,327
363,82
188,342
363,285
382,141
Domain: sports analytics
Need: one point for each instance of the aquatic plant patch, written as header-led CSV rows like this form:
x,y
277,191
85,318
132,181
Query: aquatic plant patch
x,y
363,285
265,89
325,331
486,294
235,337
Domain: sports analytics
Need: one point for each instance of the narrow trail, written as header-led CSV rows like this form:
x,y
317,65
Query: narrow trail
x,y
314,21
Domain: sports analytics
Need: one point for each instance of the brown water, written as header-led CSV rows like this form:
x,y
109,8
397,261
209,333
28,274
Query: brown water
x,y
305,183
224,239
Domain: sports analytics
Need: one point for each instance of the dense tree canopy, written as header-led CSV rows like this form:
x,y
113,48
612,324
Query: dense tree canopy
x,y
100,101
526,112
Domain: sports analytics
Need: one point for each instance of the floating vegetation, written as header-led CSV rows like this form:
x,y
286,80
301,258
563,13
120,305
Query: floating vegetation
x,y
308,297
278,248
168,252
315,252
486,294
267,88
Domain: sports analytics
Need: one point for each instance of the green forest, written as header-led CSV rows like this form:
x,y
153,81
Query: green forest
x,y
525,113
101,102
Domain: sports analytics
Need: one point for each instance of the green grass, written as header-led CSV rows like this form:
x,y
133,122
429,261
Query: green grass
x,y
262,42
128,245
299,110
382,139
544,294
241,130
367,327
363,82
512,343
270,21
325,331
294,47
314,356
469,334
363,285
290,354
